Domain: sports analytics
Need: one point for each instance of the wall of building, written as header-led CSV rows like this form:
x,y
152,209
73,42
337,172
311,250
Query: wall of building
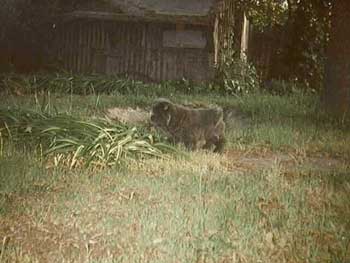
x,y
146,51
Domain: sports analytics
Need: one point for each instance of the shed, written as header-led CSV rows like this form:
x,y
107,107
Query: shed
x,y
150,40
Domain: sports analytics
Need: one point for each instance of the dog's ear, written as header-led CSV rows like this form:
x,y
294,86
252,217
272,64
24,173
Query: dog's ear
x,y
167,106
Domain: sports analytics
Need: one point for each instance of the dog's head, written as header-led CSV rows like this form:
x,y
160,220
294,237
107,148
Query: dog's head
x,y
161,112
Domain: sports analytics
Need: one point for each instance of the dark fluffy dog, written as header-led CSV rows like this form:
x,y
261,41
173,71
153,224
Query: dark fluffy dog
x,y
196,128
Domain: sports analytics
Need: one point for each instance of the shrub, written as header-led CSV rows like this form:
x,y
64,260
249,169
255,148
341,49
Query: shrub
x,y
236,77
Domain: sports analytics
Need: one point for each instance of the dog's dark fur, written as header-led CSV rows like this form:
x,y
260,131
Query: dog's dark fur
x,y
196,128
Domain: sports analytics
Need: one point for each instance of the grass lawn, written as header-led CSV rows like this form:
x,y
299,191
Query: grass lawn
x,y
279,193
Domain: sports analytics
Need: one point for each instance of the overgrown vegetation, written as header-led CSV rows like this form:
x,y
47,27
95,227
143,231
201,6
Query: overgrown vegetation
x,y
235,76
296,34
279,192
95,84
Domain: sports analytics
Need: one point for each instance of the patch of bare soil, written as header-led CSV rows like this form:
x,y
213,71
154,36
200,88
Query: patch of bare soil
x,y
262,159
233,117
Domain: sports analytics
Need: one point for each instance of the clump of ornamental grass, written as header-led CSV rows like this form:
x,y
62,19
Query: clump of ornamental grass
x,y
77,142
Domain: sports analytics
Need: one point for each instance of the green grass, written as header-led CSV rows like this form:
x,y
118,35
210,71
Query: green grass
x,y
280,192
161,212
295,121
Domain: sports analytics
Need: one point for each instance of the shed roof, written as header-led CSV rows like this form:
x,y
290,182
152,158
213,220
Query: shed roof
x,y
173,11
174,7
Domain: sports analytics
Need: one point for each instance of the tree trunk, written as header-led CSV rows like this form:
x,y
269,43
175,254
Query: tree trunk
x,y
245,39
337,75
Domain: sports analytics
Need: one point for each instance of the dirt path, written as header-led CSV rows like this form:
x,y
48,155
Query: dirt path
x,y
289,162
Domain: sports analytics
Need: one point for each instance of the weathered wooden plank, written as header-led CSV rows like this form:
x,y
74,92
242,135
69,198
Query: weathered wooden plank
x,y
103,34
93,29
71,49
98,35
88,60
91,34
134,48
79,37
159,18
67,48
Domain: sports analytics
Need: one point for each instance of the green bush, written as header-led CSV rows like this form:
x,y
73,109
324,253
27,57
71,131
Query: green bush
x,y
237,77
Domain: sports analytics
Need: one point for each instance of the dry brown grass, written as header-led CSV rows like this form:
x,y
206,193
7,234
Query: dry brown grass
x,y
208,208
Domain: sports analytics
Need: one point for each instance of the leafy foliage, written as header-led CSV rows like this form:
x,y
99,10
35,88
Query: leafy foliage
x,y
265,13
237,77
76,141
289,38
